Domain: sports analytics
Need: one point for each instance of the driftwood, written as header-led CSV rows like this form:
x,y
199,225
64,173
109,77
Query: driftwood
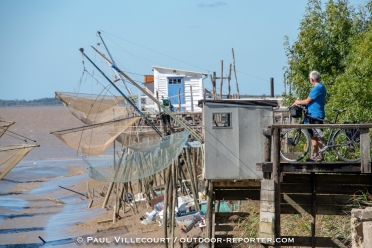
x,y
90,204
55,200
104,221
73,191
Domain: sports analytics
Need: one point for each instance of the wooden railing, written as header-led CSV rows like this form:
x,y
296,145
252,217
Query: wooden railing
x,y
364,140
273,186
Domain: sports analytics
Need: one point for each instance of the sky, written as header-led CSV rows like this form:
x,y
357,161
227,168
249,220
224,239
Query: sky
x,y
40,41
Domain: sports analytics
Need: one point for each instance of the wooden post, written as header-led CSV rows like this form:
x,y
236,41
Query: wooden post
x,y
214,85
195,167
209,209
236,79
172,205
190,171
192,105
179,100
272,87
228,83
313,208
89,196
221,79
108,193
165,209
267,151
276,178
114,215
365,151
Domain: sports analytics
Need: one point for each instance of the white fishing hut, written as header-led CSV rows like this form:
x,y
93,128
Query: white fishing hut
x,y
233,137
183,88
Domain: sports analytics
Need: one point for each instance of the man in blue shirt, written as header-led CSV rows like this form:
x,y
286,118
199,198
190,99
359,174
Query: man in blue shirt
x,y
315,106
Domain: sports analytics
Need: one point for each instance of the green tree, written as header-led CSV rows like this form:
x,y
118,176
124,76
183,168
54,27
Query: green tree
x,y
323,44
353,91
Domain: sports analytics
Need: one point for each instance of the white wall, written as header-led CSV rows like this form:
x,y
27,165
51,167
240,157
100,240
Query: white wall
x,y
190,79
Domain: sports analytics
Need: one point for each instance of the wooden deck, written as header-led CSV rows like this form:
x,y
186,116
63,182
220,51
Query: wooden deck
x,y
325,188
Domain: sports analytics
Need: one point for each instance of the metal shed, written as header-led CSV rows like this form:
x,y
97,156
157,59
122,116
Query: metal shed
x,y
233,137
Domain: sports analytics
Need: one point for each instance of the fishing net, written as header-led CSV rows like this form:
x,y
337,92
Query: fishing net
x,y
96,138
139,161
91,108
137,134
11,155
4,125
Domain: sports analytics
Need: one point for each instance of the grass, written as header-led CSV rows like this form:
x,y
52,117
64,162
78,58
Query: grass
x,y
334,226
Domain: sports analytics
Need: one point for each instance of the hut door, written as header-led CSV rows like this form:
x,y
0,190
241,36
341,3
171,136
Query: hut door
x,y
176,85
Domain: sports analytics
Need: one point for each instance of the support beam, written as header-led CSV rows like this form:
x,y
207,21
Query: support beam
x,y
313,208
365,150
276,177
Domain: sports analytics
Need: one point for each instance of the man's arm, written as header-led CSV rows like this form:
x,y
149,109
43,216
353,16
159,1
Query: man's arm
x,y
303,102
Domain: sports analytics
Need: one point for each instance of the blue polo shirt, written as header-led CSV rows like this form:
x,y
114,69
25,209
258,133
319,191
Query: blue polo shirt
x,y
316,106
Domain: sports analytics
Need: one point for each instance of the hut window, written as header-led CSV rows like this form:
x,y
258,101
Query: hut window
x,y
174,80
221,120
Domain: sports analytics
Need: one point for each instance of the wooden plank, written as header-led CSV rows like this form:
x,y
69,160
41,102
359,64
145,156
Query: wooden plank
x,y
365,151
276,172
337,200
324,188
328,178
237,194
253,183
313,208
312,167
323,210
210,211
295,188
324,125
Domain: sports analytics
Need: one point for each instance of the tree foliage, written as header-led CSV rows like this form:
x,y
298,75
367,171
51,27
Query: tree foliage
x,y
328,35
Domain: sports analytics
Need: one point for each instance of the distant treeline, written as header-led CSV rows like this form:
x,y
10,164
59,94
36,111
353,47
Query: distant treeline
x,y
38,102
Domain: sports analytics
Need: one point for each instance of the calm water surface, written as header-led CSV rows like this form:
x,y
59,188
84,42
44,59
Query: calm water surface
x,y
25,214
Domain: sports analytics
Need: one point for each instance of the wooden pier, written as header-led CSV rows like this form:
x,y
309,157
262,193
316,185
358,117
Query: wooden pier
x,y
295,188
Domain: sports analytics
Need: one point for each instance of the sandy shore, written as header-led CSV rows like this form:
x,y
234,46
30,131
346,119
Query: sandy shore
x,y
30,211
25,210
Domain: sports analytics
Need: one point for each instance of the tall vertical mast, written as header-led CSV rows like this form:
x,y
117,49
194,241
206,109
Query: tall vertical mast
x,y
114,66
126,98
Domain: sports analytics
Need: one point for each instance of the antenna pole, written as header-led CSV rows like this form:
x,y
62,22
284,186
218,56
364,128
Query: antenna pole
x,y
114,66
126,98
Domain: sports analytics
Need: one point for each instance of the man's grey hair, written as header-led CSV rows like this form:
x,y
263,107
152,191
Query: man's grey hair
x,y
315,76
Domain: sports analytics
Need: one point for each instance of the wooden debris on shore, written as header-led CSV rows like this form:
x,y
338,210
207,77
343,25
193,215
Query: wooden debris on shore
x,y
73,191
55,200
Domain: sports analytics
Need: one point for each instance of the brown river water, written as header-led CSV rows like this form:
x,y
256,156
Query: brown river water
x,y
26,215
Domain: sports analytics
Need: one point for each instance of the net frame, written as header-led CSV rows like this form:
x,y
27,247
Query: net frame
x,y
95,138
154,157
11,155
4,125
